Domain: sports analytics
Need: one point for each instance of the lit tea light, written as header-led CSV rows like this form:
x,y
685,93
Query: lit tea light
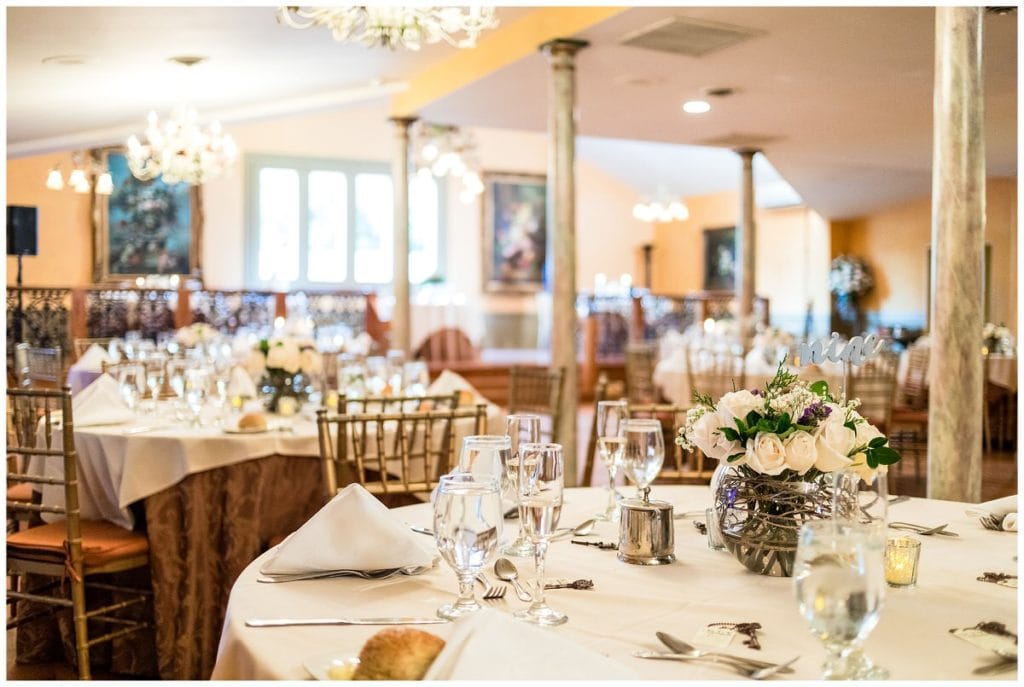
x,y
901,559
286,406
332,401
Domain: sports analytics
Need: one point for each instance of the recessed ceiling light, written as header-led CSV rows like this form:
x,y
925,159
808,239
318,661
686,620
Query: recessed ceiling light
x,y
696,106
66,60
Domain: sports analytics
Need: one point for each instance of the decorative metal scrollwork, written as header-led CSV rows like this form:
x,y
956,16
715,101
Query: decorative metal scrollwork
x,y
229,310
45,317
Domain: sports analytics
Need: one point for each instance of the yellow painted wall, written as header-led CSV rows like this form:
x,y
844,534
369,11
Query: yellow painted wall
x,y
895,243
65,228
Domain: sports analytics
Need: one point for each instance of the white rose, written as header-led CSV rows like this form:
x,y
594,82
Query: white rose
x,y
835,441
284,356
800,452
187,337
706,435
310,362
866,432
256,363
766,454
739,403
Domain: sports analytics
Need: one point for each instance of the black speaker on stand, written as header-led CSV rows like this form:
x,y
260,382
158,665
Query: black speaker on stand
x,y
22,240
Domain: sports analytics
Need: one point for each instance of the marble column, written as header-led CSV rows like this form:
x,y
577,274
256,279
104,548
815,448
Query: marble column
x,y
561,222
746,242
400,314
958,240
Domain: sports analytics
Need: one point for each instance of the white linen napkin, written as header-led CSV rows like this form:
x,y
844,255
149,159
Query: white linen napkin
x,y
354,531
92,360
490,644
240,383
1005,506
100,403
448,382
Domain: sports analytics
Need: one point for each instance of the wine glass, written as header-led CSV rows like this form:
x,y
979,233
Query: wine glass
x,y
610,446
132,381
467,525
521,429
155,372
197,387
484,456
415,378
860,500
839,577
376,375
541,484
643,453
395,363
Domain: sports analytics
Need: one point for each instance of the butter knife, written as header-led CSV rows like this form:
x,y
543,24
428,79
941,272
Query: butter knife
x,y
287,622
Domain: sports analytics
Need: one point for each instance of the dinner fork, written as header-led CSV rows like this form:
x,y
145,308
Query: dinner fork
x,y
992,521
494,593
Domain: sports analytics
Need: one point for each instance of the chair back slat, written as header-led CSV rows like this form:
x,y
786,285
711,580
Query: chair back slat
x,y
874,384
915,385
681,466
393,404
534,390
640,361
715,373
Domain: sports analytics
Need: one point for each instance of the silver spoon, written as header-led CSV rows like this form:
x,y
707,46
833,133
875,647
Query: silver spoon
x,y
506,570
680,647
581,530
763,673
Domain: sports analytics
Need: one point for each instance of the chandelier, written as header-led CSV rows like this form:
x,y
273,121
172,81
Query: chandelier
x,y
662,208
178,149
447,150
395,26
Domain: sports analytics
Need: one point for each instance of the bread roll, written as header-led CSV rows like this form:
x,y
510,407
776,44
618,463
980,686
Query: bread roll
x,y
252,421
404,654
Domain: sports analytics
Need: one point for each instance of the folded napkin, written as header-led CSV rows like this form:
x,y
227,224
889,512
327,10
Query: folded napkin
x,y
101,403
240,383
489,644
449,382
360,345
92,360
1006,506
354,531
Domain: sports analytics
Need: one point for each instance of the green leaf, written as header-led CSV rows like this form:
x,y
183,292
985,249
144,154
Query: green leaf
x,y
877,442
730,433
851,425
872,460
735,456
752,418
885,455
740,426
820,387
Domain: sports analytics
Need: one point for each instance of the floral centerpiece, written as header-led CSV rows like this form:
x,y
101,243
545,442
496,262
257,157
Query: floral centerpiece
x,y
195,334
998,339
779,448
849,279
285,366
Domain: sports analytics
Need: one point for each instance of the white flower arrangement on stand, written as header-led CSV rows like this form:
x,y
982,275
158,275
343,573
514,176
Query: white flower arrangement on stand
x,y
195,334
998,339
285,366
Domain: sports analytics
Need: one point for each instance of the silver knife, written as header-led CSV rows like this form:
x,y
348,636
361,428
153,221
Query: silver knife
x,y
713,657
287,622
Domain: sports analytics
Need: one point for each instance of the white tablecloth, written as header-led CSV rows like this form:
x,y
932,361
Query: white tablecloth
x,y
629,603
117,469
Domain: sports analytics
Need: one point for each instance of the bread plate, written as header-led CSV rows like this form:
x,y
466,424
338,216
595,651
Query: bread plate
x,y
332,666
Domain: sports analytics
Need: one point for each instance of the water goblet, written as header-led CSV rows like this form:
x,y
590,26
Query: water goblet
x,y
611,415
521,429
156,366
132,382
197,387
484,456
467,526
541,485
839,577
643,453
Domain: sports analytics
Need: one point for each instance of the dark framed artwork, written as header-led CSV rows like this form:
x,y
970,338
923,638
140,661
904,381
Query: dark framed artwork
x,y
720,259
144,227
514,232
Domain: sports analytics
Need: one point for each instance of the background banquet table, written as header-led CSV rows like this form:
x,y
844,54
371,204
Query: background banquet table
x,y
209,502
670,376
629,603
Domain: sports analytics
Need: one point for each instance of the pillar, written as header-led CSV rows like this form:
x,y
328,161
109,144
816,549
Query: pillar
x,y
746,241
958,240
400,316
561,221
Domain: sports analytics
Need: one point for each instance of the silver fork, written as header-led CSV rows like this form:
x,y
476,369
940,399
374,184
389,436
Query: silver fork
x,y
992,521
495,593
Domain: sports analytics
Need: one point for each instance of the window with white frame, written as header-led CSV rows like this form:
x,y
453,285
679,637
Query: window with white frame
x,y
328,223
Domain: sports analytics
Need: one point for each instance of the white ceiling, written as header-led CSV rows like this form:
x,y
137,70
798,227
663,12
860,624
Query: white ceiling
x,y
845,92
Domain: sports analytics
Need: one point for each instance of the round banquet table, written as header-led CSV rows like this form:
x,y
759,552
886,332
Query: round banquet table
x,y
628,604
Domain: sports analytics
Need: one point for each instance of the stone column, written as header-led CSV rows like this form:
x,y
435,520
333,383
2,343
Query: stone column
x,y
561,222
746,242
958,246
400,317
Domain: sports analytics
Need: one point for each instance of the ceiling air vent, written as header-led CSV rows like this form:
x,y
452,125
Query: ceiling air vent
x,y
691,37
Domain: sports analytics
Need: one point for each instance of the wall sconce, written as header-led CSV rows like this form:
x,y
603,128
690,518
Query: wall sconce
x,y
78,180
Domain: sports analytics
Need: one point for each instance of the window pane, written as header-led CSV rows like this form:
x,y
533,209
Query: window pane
x,y
278,227
374,221
423,229
328,216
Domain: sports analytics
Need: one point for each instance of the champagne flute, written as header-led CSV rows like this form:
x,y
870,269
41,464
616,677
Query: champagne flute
x,y
541,484
467,526
643,453
610,446
839,577
521,429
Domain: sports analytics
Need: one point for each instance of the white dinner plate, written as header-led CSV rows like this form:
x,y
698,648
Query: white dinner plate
x,y
320,666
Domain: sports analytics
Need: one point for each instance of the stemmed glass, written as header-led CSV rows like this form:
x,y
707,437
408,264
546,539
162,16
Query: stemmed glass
x,y
132,381
643,453
862,501
467,526
840,584
176,368
197,386
484,456
415,378
541,484
521,429
155,371
611,416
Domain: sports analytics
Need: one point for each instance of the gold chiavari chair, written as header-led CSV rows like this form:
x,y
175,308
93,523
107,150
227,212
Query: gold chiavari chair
x,y
71,551
539,391
398,454
714,373
394,404
640,361
909,431
680,467
875,386
600,394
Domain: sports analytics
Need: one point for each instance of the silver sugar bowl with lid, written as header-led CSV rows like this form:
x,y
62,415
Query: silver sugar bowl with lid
x,y
646,531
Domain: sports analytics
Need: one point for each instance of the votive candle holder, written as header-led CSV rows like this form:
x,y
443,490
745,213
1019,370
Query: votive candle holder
x,y
715,541
902,558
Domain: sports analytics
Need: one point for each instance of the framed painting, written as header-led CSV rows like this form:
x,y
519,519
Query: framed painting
x,y
720,259
514,232
144,227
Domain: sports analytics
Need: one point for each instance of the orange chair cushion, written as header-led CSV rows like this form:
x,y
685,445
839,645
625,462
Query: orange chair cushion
x,y
102,542
20,492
